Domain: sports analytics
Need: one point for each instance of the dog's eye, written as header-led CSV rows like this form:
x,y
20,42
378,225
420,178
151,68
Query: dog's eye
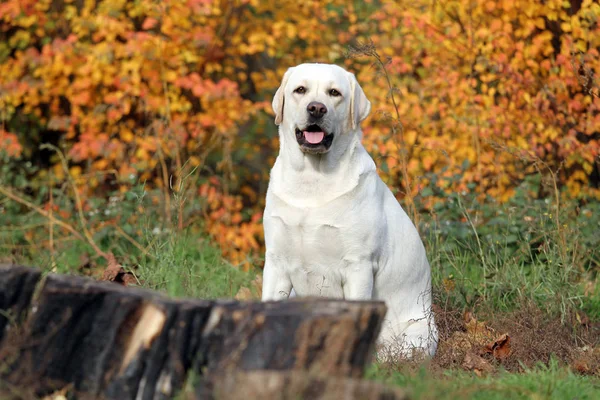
x,y
300,90
334,93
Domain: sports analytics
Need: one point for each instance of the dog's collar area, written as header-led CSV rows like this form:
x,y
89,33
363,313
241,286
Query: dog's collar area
x,y
310,146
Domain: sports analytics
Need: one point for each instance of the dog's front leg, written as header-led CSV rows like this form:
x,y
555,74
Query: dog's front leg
x,y
358,283
276,282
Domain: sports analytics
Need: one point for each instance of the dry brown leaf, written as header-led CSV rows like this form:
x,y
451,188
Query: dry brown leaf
x,y
114,272
477,331
254,292
582,366
586,361
499,348
476,363
244,294
476,335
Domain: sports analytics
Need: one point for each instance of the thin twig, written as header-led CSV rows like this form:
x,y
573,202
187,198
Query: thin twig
x,y
78,202
19,198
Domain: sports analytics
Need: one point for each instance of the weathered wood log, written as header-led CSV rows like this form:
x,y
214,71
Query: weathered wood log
x,y
282,385
16,288
125,343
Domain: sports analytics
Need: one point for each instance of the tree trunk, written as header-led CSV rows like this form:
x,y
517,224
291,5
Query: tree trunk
x,y
125,343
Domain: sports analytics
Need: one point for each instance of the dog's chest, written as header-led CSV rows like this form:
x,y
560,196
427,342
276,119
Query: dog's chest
x,y
308,236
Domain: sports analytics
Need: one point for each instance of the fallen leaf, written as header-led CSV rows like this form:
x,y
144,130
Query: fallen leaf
x,y
478,331
582,366
499,348
254,292
586,361
114,272
244,294
476,335
476,363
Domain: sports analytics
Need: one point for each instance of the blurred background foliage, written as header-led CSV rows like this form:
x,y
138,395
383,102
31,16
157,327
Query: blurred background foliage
x,y
140,118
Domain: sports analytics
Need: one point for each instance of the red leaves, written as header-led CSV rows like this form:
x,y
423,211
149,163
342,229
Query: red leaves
x,y
9,143
206,87
149,23
90,145
191,65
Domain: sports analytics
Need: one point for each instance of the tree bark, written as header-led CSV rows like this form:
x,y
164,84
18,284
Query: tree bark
x,y
16,288
125,343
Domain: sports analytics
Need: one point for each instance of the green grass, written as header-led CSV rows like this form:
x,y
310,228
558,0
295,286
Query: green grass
x,y
186,265
542,382
498,256
486,257
181,265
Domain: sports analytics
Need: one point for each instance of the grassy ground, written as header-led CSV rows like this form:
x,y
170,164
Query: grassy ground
x,y
551,381
521,269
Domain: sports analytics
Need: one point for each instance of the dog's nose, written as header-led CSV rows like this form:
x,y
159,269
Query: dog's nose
x,y
316,109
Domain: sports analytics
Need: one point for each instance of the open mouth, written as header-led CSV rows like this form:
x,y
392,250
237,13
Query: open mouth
x,y
314,139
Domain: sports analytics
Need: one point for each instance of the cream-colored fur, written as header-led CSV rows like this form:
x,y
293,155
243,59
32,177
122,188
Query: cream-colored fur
x,y
332,227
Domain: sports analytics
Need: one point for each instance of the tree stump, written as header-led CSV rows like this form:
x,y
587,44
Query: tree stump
x,y
16,288
126,343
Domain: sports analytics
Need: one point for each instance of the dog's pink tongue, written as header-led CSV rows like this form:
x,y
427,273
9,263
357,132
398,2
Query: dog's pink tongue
x,y
314,137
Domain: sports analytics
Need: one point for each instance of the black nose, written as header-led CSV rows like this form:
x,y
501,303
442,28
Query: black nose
x,y
316,109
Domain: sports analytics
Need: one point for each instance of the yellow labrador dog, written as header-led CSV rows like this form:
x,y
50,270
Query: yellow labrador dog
x,y
332,227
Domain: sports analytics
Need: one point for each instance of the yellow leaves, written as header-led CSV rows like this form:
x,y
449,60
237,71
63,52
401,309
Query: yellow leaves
x,y
70,12
465,72
75,171
125,134
20,39
28,21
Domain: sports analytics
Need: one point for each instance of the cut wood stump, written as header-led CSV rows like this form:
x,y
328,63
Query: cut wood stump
x,y
16,288
126,343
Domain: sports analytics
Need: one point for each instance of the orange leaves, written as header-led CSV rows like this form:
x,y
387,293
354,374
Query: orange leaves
x,y
129,83
499,74
9,144
499,348
208,88
9,10
149,23
239,237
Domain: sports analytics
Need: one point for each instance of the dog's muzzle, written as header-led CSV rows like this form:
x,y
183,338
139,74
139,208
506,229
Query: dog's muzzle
x,y
314,139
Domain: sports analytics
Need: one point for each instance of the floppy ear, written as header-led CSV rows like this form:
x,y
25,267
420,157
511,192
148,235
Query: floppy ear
x,y
279,99
360,106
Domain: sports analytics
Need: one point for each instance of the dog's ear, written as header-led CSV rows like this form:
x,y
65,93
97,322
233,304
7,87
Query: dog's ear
x,y
360,106
279,99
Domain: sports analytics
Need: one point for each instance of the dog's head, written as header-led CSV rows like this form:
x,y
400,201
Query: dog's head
x,y
320,104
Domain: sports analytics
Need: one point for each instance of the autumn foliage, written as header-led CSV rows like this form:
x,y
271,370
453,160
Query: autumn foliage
x,y
467,95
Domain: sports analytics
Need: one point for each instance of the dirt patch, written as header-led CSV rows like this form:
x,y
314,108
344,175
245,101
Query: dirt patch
x,y
514,340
